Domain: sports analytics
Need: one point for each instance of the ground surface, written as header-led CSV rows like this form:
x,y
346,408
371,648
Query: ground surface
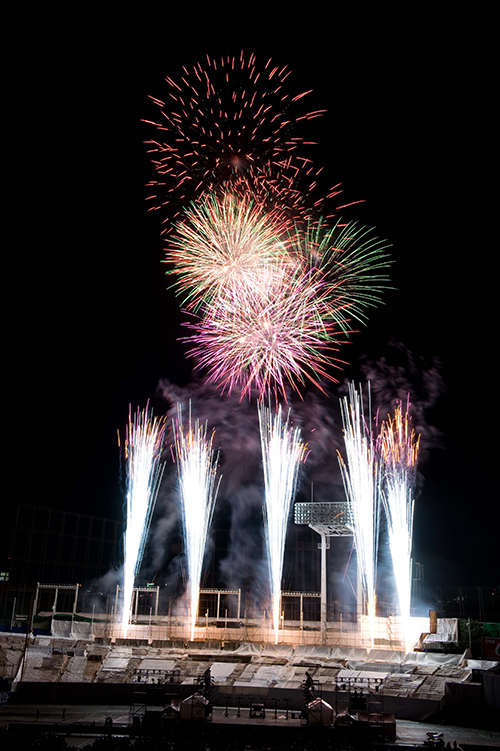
x,y
407,732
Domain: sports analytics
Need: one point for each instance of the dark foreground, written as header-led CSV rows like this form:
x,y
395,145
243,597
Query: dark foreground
x,y
110,727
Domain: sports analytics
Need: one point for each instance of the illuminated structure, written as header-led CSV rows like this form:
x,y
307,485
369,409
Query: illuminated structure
x,y
328,520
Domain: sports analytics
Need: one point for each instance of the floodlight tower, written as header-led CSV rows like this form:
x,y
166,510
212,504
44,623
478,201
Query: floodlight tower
x,y
328,520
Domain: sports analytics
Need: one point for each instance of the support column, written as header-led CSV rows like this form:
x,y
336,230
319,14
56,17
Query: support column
x,y
301,618
35,605
115,610
323,545
136,592
359,589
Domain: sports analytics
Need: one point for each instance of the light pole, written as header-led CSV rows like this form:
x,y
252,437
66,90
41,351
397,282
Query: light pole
x,y
328,520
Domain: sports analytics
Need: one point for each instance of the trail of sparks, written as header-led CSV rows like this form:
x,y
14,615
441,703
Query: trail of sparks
x,y
271,285
270,301
361,475
261,339
399,455
282,451
348,259
197,466
230,122
144,441
224,243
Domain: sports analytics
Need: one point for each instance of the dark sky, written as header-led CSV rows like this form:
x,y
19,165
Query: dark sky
x,y
404,131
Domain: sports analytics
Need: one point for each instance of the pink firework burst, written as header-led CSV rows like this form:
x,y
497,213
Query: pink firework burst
x,y
261,339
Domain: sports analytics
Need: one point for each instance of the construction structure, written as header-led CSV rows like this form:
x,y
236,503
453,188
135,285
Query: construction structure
x,y
328,520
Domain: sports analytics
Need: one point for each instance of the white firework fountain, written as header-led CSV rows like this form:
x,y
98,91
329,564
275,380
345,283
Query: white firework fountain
x,y
197,466
282,452
360,474
399,446
144,443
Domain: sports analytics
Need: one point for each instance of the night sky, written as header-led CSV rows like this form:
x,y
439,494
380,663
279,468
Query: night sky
x,y
403,132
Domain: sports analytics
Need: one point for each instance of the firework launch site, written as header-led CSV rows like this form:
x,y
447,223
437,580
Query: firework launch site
x,y
257,584
356,679
83,683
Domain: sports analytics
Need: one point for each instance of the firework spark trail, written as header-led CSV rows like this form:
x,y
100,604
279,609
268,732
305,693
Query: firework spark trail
x,y
360,475
270,300
282,451
144,441
230,122
399,455
197,466
263,338
270,285
224,242
348,259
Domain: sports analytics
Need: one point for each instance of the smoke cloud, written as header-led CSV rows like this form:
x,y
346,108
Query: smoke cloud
x,y
400,373
393,376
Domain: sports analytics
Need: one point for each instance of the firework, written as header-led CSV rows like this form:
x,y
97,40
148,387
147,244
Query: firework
x,y
197,466
224,242
348,259
360,474
231,123
261,339
282,451
144,440
271,300
399,454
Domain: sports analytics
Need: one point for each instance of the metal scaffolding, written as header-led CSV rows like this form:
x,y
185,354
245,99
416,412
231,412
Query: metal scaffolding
x,y
56,588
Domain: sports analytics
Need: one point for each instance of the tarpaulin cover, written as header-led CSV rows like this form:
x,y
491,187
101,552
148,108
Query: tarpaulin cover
x,y
482,664
152,664
277,650
261,677
380,667
345,674
115,663
75,670
265,675
221,670
246,676
447,631
71,629
289,675
311,650
384,655
348,653
248,648
432,658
